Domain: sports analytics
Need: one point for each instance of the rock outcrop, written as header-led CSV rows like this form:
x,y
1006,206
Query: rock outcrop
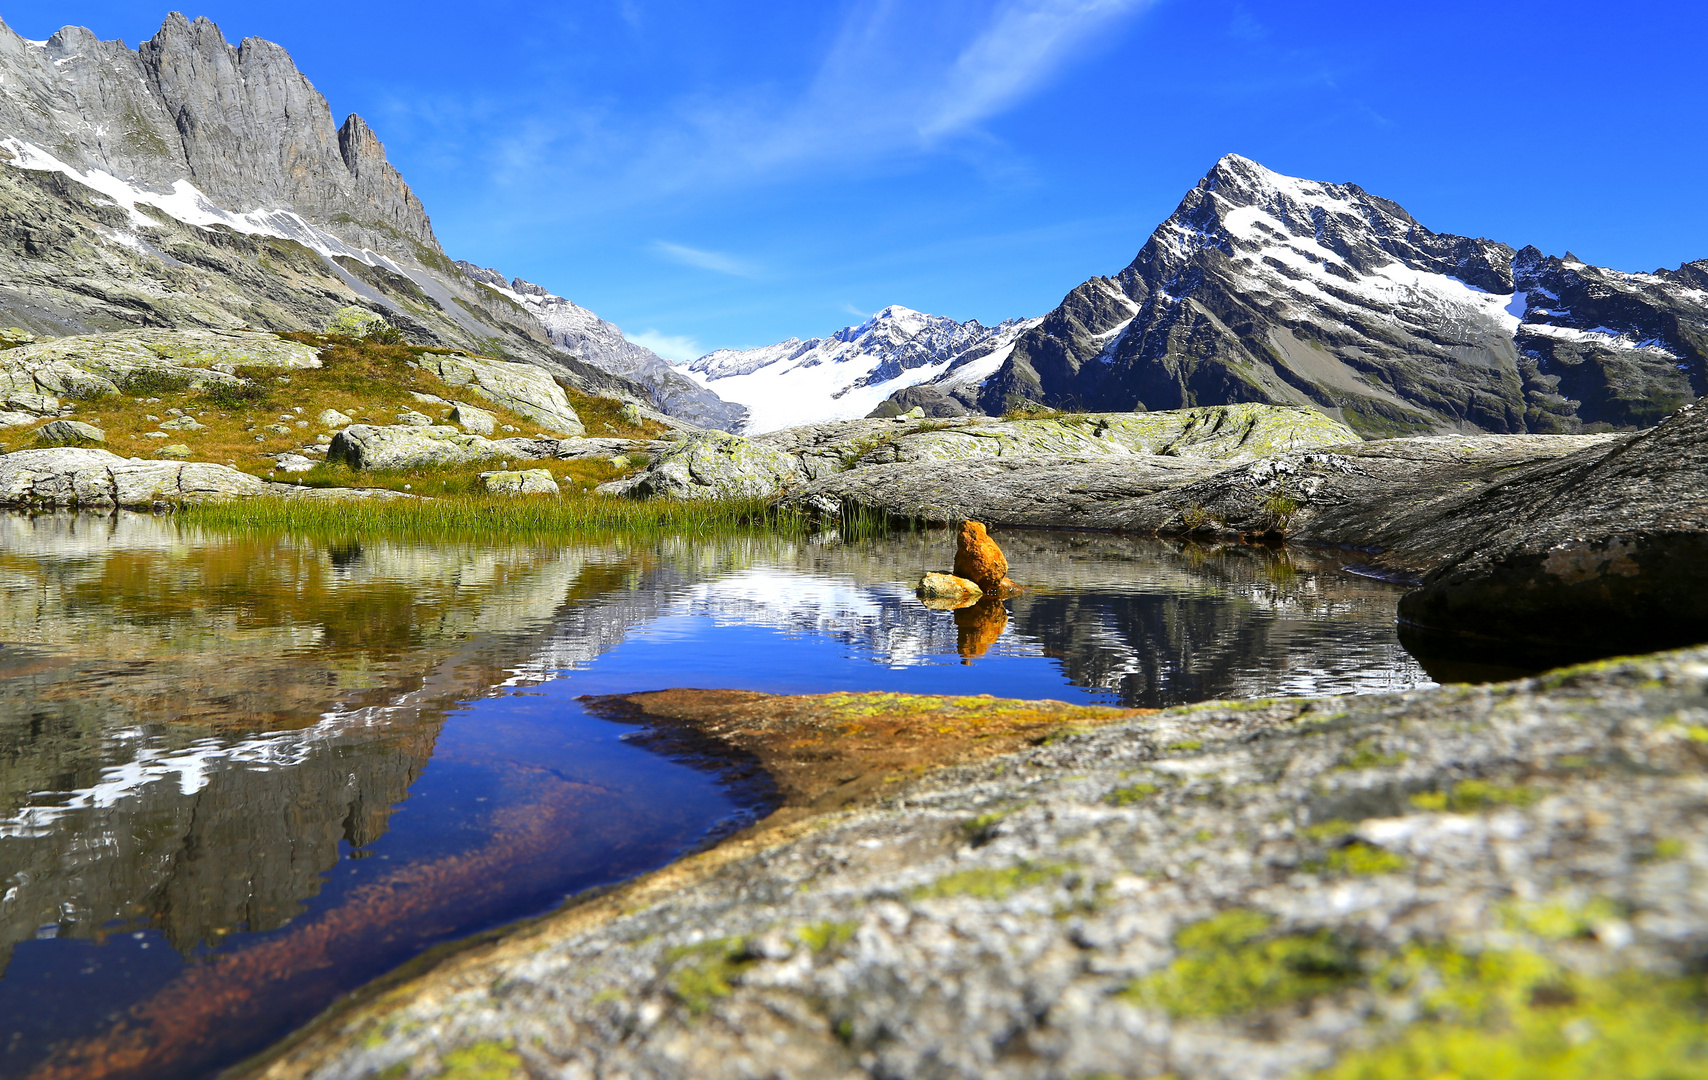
x,y
799,456
521,388
1258,890
89,479
1604,551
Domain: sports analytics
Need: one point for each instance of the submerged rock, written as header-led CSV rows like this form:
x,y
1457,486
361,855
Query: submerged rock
x,y
1259,890
953,591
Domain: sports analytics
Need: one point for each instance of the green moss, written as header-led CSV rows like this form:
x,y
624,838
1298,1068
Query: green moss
x,y
1233,964
1360,860
1367,755
1186,744
395,1071
1518,1016
980,829
706,971
827,935
1560,920
1332,829
1666,848
1471,795
490,1060
1126,796
995,884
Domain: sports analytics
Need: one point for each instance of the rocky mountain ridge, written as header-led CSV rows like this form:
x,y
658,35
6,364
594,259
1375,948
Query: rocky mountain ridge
x,y
849,374
1267,288
583,334
190,183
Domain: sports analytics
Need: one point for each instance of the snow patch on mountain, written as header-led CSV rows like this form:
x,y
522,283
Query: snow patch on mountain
x,y
189,205
847,375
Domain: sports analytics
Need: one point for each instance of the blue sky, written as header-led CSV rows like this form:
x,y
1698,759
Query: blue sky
x,y
725,173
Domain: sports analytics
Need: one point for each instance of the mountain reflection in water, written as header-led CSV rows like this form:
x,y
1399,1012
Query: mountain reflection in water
x,y
242,775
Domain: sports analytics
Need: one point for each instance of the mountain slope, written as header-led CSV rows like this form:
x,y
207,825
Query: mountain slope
x,y
583,334
1266,288
192,183
854,371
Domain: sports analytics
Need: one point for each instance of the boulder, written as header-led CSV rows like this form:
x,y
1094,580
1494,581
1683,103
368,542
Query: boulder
x,y
411,418
183,423
712,465
525,482
522,388
332,418
473,420
939,586
177,452
979,560
70,433
401,446
292,463
1599,553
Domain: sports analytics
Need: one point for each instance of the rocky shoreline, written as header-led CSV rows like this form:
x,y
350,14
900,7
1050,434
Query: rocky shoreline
x,y
1344,887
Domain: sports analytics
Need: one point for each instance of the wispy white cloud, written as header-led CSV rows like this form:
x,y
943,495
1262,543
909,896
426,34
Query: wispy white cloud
x,y
896,79
856,312
705,260
677,347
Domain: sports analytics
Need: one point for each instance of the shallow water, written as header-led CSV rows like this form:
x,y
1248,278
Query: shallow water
x,y
240,776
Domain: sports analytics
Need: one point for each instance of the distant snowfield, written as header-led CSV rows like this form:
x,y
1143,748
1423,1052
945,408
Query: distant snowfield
x,y
842,377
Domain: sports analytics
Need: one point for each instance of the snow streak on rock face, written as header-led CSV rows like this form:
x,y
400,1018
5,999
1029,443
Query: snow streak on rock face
x,y
1263,287
847,375
585,335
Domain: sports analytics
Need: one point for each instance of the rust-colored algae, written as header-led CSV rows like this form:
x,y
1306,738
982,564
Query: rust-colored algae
x,y
827,751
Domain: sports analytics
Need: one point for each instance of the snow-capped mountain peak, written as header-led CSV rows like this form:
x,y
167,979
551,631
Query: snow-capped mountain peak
x,y
851,372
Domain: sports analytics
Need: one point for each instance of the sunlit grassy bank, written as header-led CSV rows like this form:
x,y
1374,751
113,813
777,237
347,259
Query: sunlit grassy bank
x,y
498,518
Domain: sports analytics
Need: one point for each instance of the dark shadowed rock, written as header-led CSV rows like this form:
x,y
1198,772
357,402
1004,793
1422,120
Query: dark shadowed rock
x,y
1602,552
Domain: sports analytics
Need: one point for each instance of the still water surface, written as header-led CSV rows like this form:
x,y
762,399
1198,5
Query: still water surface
x,y
240,776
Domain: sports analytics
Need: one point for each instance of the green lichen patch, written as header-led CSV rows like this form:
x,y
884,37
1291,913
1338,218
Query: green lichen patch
x,y
704,972
1368,754
489,1060
827,935
1560,919
1127,796
1468,796
1234,963
1518,1016
1359,860
1333,829
1186,745
993,884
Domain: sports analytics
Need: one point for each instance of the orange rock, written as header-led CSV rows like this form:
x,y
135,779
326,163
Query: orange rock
x,y
979,560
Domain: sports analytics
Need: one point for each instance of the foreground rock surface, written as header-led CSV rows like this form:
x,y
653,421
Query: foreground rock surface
x,y
720,466
1398,885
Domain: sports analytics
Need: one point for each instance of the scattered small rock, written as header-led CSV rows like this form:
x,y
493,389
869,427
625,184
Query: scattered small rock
x,y
332,418
294,463
183,423
411,418
70,432
177,452
525,482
